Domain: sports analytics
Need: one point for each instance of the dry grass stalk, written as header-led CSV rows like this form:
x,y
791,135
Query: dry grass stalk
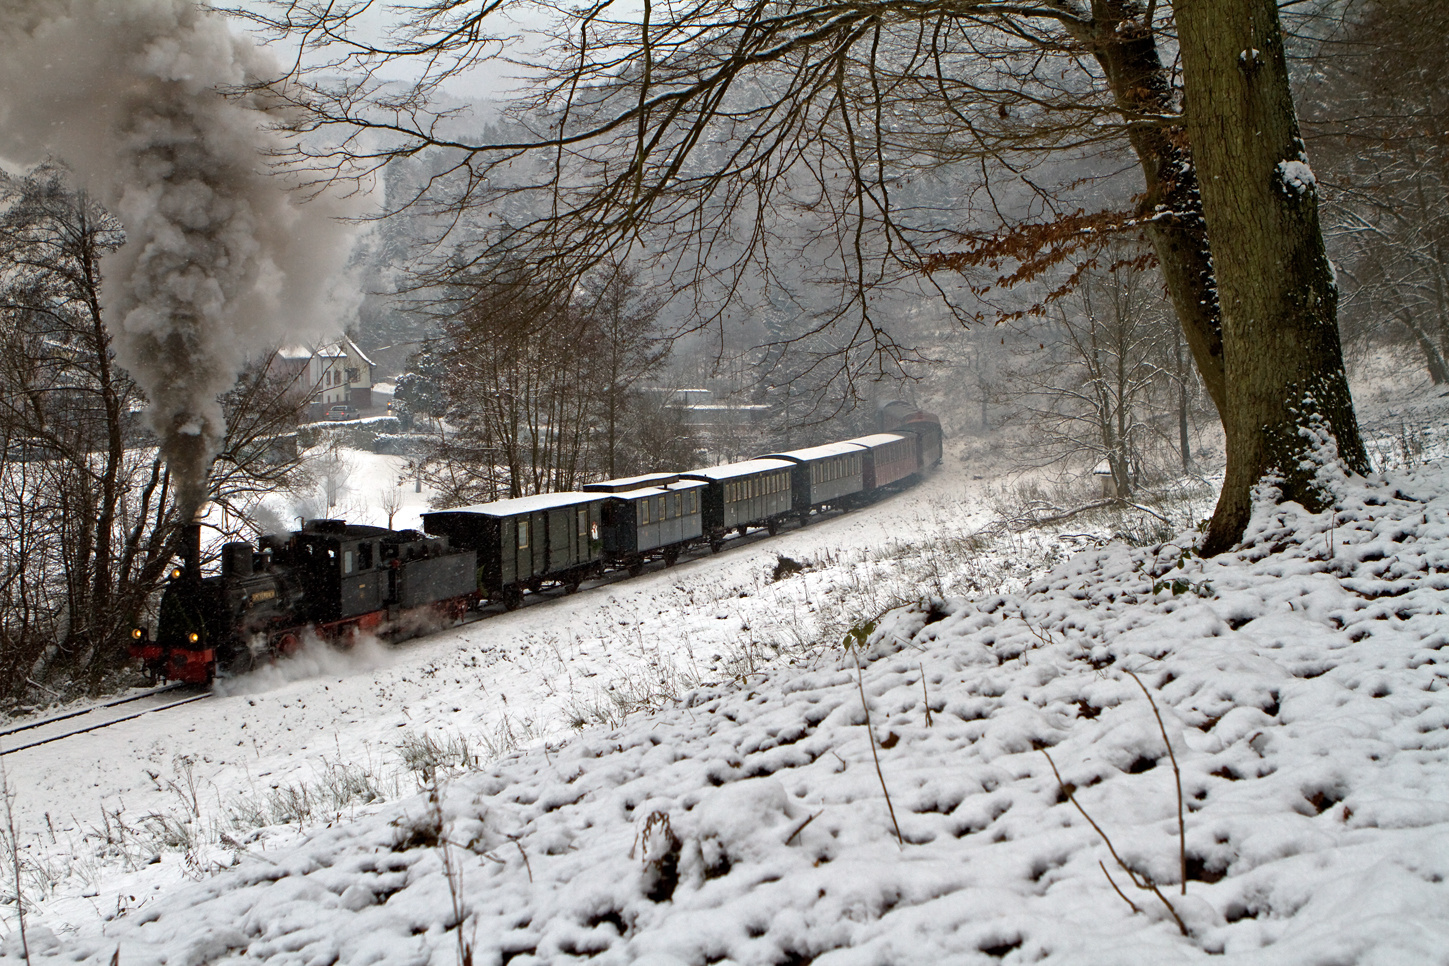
x,y
1141,882
860,683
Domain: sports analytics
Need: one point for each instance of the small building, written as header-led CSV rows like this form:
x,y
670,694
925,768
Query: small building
x,y
338,372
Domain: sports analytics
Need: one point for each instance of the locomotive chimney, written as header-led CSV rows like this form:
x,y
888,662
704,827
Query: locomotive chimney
x,y
191,548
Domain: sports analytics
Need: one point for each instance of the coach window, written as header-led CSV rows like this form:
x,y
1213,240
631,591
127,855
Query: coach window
x,y
583,523
522,534
644,510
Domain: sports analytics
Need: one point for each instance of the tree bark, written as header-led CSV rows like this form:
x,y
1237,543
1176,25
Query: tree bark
x,y
1288,409
1125,45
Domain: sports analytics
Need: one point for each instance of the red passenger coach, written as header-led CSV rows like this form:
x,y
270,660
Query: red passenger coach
x,y
889,458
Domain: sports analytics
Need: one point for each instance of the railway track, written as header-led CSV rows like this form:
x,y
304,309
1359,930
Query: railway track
x,y
106,714
97,716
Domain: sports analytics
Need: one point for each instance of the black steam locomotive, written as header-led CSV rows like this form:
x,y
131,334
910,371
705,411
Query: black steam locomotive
x,y
334,578
338,580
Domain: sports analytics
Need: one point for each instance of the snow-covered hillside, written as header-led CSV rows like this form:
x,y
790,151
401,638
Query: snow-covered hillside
x,y
894,799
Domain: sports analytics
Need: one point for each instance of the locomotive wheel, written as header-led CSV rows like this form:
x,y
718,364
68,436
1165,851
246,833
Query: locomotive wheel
x,y
287,644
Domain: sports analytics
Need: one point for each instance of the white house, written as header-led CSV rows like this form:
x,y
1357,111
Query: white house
x,y
338,372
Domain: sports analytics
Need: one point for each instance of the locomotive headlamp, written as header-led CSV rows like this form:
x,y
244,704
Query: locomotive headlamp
x,y
175,574
193,637
136,633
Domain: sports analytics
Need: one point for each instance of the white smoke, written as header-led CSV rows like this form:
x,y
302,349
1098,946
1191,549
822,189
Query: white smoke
x,y
223,258
315,659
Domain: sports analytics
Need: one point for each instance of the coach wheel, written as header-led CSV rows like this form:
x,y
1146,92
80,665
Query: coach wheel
x,y
512,597
805,519
715,544
635,567
671,556
743,530
571,585
773,526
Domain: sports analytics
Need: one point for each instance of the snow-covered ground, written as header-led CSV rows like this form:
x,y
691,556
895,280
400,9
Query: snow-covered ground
x,y
691,768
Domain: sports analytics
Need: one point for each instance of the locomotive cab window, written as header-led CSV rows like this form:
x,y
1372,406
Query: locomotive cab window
x,y
364,556
347,561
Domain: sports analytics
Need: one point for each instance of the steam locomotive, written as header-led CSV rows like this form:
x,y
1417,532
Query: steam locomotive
x,y
339,580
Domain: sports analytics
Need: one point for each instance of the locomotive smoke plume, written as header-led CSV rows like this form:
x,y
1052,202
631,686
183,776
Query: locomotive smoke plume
x,y
221,260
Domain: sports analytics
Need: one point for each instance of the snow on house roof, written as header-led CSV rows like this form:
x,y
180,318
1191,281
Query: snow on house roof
x,y
357,351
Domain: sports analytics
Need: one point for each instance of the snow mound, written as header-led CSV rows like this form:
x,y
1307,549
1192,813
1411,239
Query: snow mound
x,y
1300,683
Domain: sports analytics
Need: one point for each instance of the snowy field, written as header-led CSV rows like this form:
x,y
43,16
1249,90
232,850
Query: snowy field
x,y
692,768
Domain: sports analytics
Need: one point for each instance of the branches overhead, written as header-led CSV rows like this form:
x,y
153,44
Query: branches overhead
x,y
728,147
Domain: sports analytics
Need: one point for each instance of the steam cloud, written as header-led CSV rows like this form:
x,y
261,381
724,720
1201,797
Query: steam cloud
x,y
221,259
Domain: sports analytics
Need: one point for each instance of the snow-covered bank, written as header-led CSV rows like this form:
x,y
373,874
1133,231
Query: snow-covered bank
x,y
1302,686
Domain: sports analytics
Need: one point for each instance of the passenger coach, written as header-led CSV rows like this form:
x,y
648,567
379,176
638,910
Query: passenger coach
x,y
647,517
737,496
527,542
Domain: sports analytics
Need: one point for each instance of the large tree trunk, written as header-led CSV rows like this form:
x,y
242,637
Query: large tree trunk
x,y
1125,45
1287,405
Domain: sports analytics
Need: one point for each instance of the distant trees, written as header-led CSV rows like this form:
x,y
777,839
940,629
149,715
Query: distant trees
x,y
88,520
1379,125
1101,381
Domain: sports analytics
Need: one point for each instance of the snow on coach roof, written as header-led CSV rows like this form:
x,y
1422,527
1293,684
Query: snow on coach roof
x,y
731,470
876,439
525,504
817,452
631,483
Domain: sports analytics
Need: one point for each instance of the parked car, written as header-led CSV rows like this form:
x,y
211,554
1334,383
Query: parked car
x,y
341,411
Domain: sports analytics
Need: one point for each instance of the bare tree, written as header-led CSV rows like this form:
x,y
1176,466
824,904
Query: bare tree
x,y
701,125
389,498
88,511
1094,382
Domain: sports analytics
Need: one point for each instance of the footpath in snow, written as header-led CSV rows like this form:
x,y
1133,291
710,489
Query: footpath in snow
x,y
894,801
